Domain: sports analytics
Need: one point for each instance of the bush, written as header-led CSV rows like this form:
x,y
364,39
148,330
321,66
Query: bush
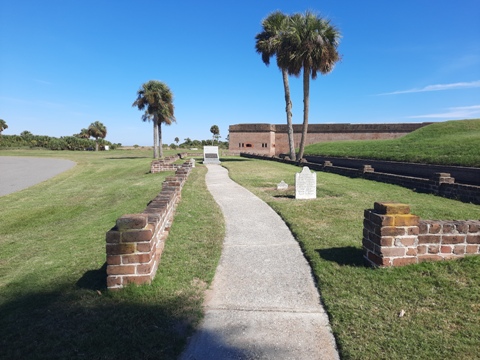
x,y
42,141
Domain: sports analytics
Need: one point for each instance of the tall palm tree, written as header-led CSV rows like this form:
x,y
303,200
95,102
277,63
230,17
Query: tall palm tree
x,y
268,44
3,126
156,98
97,130
310,44
215,132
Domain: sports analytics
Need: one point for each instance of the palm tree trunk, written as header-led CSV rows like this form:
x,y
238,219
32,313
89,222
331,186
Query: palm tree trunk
x,y
306,106
160,139
155,137
288,110
96,144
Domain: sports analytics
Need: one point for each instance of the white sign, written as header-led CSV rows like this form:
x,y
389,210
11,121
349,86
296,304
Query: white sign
x,y
210,155
306,184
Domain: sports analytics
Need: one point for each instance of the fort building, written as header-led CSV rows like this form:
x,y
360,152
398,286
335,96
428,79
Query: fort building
x,y
272,139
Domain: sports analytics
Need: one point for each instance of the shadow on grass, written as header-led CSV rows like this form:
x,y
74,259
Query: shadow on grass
x,y
94,279
349,255
69,322
284,196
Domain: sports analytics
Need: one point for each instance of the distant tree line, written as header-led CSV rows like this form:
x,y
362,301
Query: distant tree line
x,y
189,143
27,139
80,141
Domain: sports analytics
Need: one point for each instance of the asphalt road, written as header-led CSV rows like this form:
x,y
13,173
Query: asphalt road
x,y
18,173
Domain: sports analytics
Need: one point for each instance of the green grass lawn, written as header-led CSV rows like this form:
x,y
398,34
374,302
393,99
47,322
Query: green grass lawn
x,y
53,301
441,300
446,143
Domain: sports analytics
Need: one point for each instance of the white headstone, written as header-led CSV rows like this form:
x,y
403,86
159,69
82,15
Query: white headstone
x,y
210,155
306,184
282,185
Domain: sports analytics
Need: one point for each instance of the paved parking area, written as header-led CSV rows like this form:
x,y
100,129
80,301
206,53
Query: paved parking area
x,y
18,173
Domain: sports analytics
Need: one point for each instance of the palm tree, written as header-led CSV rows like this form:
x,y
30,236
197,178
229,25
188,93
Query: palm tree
x,y
83,134
215,131
156,98
310,44
268,44
3,126
97,130
26,134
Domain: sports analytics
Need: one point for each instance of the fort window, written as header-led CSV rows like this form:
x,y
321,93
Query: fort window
x,y
249,145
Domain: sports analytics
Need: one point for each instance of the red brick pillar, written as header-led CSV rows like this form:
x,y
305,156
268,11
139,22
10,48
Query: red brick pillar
x,y
367,169
443,178
131,251
390,235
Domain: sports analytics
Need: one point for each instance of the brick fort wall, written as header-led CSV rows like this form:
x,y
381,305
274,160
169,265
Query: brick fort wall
x,y
271,139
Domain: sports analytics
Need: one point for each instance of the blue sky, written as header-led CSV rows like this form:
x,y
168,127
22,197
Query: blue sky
x,y
65,64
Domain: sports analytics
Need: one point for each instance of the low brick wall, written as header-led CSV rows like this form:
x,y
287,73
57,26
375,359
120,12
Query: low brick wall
x,y
166,163
392,236
135,244
441,184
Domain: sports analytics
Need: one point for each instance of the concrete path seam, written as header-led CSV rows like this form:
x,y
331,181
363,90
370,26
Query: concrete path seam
x,y
265,310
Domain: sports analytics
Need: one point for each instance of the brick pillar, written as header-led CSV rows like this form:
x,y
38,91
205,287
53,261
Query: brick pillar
x,y
390,235
367,169
131,251
443,178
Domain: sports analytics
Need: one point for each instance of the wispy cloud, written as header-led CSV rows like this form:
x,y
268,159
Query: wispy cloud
x,y
42,81
438,87
462,112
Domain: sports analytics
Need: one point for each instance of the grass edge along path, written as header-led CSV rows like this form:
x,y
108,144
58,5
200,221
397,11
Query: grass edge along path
x,y
441,300
62,311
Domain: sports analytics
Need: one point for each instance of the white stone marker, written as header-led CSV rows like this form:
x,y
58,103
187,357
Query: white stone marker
x,y
306,184
210,155
282,185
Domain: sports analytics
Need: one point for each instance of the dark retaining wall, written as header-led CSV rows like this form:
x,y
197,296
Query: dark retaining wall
x,y
462,174
439,183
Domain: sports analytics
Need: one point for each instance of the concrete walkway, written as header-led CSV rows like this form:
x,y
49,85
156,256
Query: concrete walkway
x,y
263,302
